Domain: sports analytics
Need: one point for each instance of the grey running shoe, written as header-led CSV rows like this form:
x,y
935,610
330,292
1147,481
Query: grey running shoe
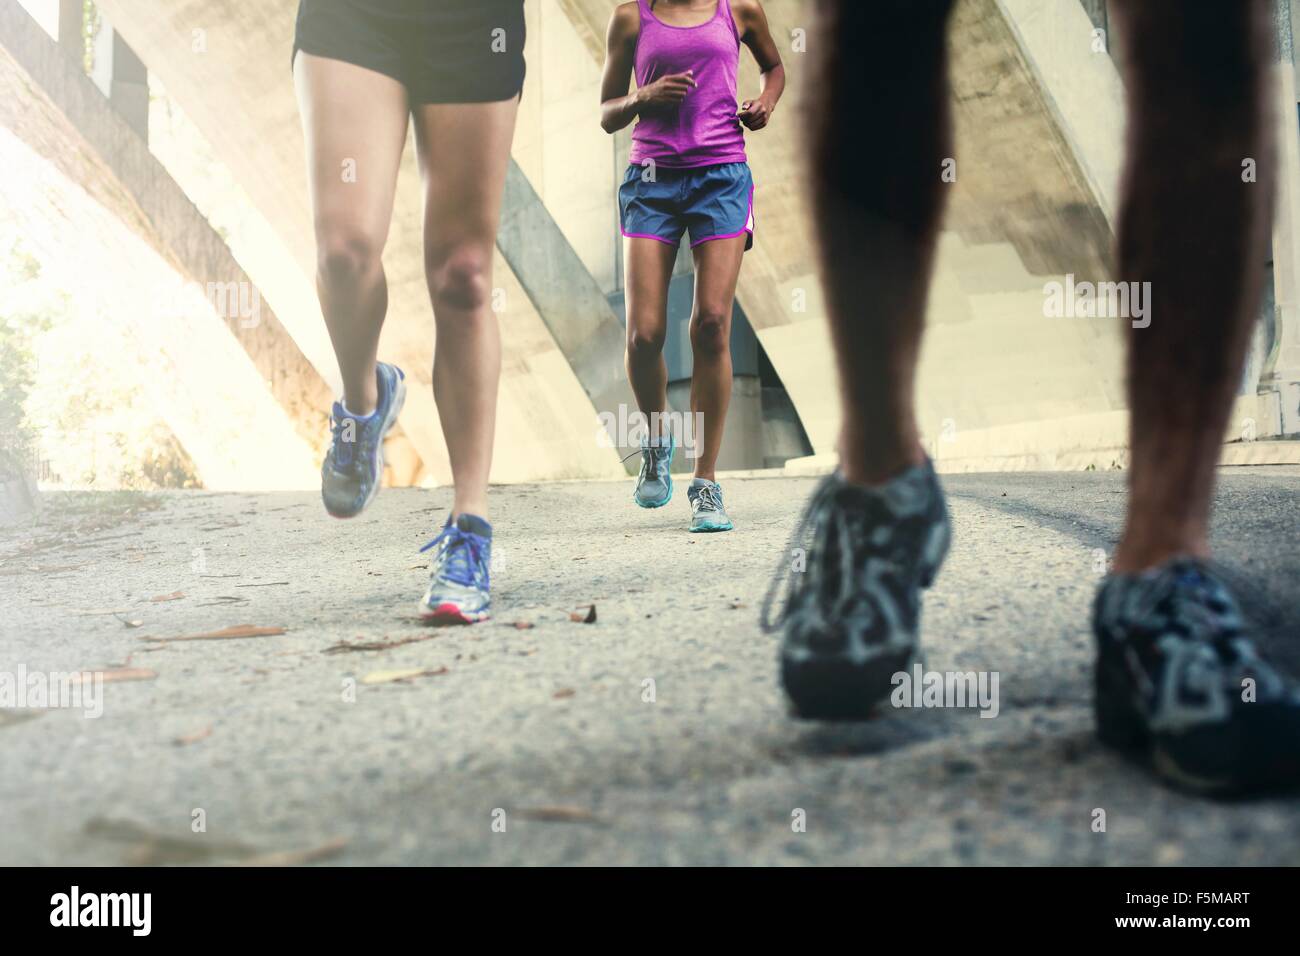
x,y
654,485
852,613
707,512
355,460
1178,682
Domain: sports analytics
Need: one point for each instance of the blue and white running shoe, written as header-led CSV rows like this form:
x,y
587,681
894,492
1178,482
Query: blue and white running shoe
x,y
707,511
460,585
355,460
654,485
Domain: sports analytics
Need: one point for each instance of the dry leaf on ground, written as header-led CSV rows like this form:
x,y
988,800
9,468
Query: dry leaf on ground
x,y
298,857
390,677
194,738
226,634
558,814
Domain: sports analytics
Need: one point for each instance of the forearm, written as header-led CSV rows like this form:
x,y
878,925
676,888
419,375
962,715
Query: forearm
x,y
617,113
771,84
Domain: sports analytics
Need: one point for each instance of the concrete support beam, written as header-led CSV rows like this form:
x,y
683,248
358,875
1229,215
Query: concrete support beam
x,y
1280,376
51,105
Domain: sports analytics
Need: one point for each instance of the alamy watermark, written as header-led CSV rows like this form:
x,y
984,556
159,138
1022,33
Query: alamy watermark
x,y
22,689
946,689
235,301
1098,300
629,427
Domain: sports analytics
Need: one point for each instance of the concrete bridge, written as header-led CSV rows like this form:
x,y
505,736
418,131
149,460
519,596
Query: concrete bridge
x,y
1039,122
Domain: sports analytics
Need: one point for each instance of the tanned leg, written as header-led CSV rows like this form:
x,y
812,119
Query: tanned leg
x,y
464,154
1189,225
355,124
880,129
649,270
717,268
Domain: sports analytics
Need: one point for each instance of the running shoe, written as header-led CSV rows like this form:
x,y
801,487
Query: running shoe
x,y
707,512
355,461
460,584
654,485
1179,683
855,570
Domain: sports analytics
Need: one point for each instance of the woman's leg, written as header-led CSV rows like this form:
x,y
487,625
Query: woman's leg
x,y
354,121
464,154
649,270
717,267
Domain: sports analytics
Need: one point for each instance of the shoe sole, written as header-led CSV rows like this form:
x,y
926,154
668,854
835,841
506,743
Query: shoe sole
x,y
449,615
828,690
390,420
1121,727
726,527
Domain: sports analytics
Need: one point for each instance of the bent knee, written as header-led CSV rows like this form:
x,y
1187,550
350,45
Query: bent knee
x,y
347,255
460,281
645,343
710,331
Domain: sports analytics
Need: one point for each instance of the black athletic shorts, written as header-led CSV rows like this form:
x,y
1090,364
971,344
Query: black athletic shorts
x,y
442,51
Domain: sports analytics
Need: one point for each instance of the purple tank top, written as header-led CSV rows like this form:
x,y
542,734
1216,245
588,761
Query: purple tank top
x,y
704,130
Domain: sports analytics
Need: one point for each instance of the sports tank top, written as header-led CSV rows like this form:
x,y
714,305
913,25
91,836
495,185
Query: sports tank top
x,y
703,130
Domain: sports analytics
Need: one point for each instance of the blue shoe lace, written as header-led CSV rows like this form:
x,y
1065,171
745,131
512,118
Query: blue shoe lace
x,y
461,558
340,450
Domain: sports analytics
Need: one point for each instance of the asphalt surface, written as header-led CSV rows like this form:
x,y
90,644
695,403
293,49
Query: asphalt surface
x,y
654,735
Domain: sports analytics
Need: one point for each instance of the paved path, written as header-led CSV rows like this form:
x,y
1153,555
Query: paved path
x,y
280,746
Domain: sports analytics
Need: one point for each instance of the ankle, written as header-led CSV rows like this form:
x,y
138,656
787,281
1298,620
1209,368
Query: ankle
x,y
477,508
873,467
1143,552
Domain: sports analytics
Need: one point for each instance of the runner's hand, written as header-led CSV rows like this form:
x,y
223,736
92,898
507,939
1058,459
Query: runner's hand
x,y
754,114
668,90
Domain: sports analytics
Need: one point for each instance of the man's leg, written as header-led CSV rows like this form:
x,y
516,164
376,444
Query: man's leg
x,y
355,122
1177,678
1191,227
880,129
464,154
877,533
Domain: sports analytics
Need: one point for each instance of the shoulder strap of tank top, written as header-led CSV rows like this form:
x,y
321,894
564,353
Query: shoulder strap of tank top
x,y
724,10
643,8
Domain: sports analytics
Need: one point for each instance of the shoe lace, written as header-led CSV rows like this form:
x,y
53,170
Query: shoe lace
x,y
815,517
708,498
460,557
1194,599
650,455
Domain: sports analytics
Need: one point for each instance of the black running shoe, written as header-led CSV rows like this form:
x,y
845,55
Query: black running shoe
x,y
857,564
1178,682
